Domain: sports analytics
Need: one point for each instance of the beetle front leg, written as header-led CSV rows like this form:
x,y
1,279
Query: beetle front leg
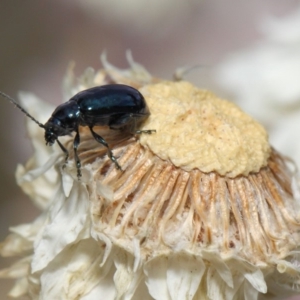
x,y
77,160
102,141
64,150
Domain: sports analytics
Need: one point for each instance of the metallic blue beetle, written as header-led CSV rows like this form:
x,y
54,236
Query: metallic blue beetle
x,y
115,105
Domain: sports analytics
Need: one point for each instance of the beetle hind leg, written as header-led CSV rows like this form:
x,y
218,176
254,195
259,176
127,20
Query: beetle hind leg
x,y
148,131
129,124
134,124
102,141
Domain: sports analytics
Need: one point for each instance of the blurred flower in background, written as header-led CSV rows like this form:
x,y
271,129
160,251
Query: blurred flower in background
x,y
265,81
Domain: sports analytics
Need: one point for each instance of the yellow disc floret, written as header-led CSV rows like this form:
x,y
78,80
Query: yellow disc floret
x,y
195,129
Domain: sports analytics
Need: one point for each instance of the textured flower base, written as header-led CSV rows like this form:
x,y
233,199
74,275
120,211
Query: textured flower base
x,y
152,230
164,208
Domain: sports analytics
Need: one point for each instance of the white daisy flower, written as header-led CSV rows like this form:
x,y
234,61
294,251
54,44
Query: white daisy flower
x,y
203,209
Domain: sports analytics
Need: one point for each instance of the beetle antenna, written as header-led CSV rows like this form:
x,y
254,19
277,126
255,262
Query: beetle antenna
x,y
13,101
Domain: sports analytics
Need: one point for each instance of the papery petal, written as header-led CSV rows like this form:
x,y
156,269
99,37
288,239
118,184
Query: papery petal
x,y
220,266
184,275
156,271
126,278
19,289
75,271
18,269
23,236
133,75
68,218
256,279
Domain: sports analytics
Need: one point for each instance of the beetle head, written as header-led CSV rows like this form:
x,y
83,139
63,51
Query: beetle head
x,y
50,136
54,129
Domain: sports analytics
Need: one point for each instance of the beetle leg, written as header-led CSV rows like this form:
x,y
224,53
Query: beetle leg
x,y
102,141
134,125
148,131
76,143
64,150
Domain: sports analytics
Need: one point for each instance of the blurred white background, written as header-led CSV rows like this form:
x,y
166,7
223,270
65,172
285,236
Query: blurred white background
x,y
39,38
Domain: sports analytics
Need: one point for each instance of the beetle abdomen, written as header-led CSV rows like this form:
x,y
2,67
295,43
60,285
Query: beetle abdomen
x,y
111,99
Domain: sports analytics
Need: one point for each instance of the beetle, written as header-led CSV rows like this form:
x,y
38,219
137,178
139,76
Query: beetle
x,y
118,106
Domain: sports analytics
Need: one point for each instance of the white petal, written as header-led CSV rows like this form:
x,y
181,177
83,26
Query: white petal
x,y
68,223
249,292
67,183
36,107
15,244
184,275
215,285
22,238
19,289
40,190
135,72
76,272
17,270
35,173
256,279
156,275
126,278
220,266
